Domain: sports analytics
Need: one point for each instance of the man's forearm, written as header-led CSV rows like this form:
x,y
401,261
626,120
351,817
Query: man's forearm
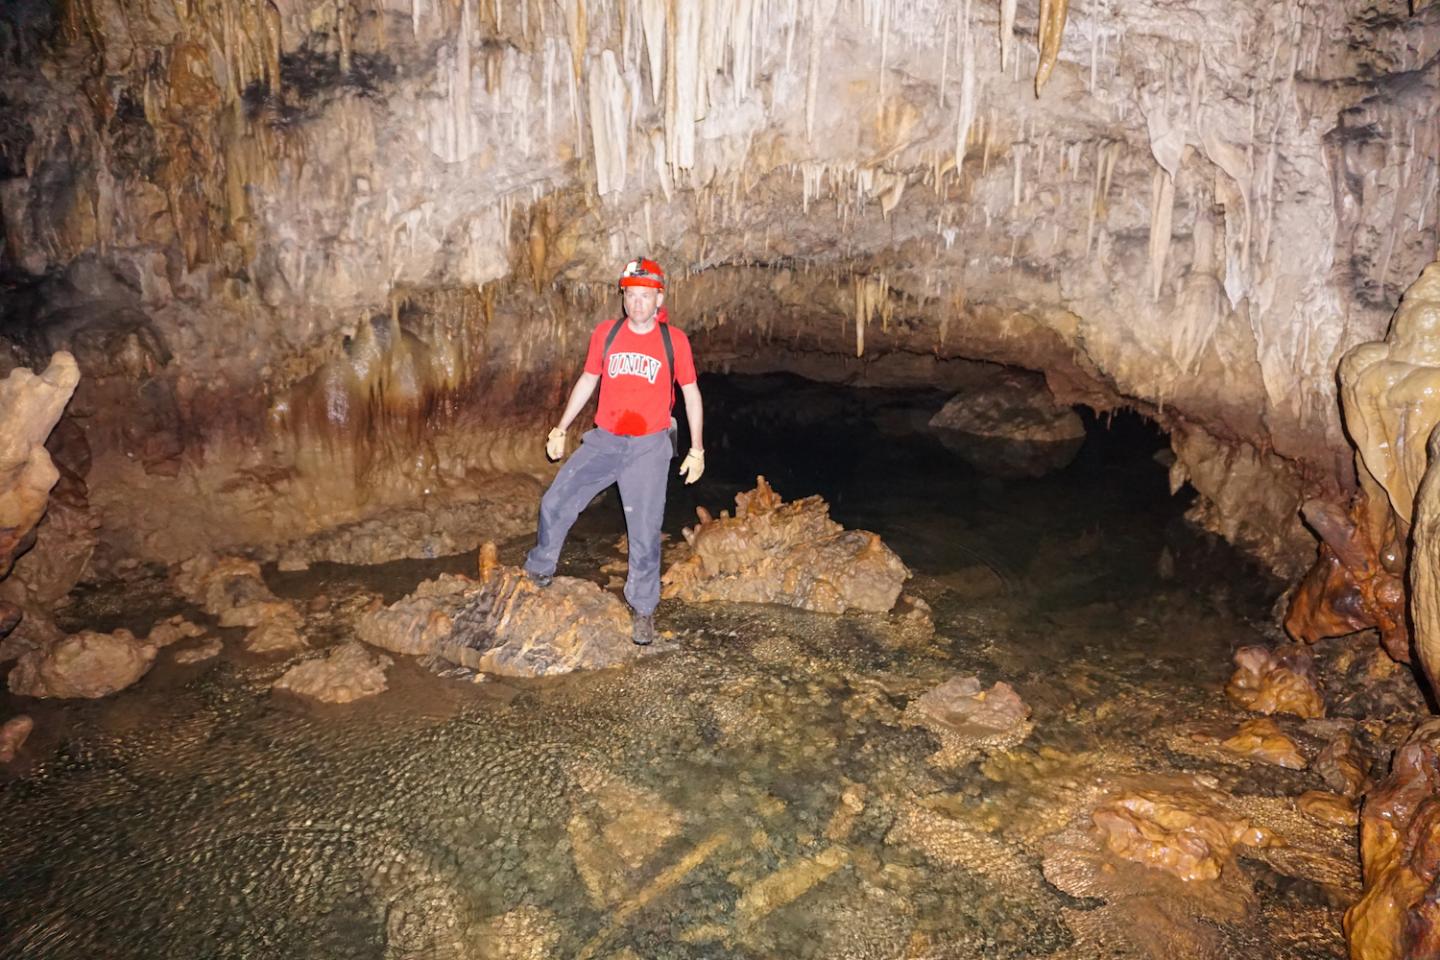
x,y
695,416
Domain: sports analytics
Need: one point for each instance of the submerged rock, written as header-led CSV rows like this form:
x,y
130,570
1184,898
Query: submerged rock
x,y
503,623
1186,830
85,664
1399,914
201,652
173,630
349,672
1276,681
970,720
13,735
786,553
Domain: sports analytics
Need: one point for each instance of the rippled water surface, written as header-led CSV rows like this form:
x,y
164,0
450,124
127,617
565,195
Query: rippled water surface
x,y
751,791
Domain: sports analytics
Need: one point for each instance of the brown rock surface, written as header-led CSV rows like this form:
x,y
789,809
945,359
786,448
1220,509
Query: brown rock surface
x,y
1328,808
503,623
1185,830
1343,767
85,664
1398,917
173,630
1263,740
13,735
969,719
348,672
786,553
1276,681
200,652
615,832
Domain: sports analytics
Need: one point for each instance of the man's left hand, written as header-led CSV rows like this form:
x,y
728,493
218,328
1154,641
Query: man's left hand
x,y
693,466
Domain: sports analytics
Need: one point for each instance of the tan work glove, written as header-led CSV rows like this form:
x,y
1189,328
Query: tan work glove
x,y
693,466
555,444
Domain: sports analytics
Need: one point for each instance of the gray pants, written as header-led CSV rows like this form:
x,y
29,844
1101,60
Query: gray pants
x,y
641,466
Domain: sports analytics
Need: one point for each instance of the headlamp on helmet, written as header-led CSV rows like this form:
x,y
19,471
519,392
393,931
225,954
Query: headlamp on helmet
x,y
642,272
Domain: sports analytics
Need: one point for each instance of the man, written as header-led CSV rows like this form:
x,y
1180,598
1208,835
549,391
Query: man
x,y
635,360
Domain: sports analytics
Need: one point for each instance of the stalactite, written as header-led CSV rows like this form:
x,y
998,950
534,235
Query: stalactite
x,y
609,124
1162,209
966,110
577,25
1007,32
1050,32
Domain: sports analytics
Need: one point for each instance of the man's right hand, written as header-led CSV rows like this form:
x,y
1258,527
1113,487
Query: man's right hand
x,y
555,444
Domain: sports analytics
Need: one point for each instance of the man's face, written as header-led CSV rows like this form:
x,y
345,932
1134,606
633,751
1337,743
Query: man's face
x,y
642,302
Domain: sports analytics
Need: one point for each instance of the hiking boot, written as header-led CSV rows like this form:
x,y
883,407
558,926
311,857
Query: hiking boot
x,y
541,580
643,629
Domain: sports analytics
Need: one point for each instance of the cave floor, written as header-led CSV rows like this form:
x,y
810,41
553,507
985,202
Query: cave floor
x,y
751,791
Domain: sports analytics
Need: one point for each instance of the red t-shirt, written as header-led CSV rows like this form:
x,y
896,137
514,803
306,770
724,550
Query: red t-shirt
x,y
635,394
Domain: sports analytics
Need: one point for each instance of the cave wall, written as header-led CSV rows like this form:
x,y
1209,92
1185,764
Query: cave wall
x,y
317,258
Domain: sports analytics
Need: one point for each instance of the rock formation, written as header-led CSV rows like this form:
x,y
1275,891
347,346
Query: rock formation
x,y
1397,918
1279,681
969,719
503,623
30,406
788,553
1011,427
85,664
348,672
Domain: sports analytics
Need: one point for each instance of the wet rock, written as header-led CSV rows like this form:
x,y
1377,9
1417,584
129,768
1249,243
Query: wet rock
x,y
279,632
1364,682
220,585
201,652
1011,427
787,884
1263,740
1343,766
13,735
786,553
1276,681
503,623
1327,808
348,672
35,631
969,720
1399,914
85,664
173,630
1185,829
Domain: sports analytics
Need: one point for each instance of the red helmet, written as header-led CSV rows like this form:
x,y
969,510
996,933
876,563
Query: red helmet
x,y
643,273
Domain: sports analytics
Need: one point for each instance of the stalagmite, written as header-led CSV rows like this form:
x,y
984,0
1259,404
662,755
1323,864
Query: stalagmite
x,y
1050,32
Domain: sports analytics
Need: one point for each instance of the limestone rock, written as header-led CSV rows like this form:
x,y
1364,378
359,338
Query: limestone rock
x,y
969,720
1263,740
1011,427
786,553
13,735
279,632
200,652
85,664
30,405
1397,916
503,623
1278,681
1185,830
219,585
173,630
348,672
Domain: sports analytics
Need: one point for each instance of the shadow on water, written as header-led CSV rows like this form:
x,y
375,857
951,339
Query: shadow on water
x,y
753,792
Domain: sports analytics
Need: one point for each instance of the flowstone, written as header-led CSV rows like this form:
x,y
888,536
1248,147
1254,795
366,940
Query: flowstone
x,y
787,553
